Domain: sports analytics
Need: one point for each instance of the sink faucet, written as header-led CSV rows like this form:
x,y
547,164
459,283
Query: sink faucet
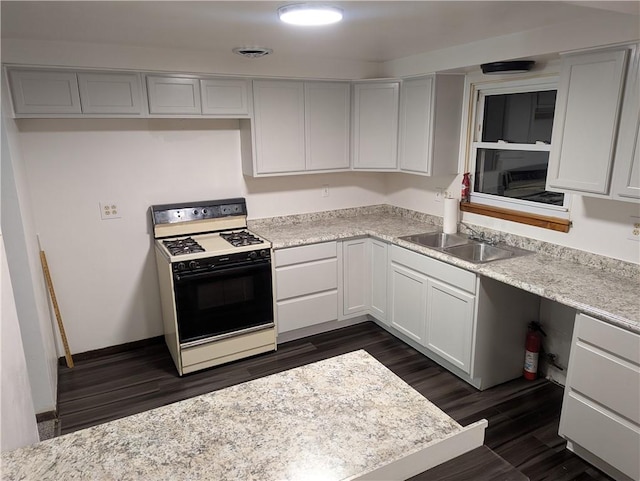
x,y
480,236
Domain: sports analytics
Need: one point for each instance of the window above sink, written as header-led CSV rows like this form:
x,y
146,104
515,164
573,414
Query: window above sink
x,y
511,124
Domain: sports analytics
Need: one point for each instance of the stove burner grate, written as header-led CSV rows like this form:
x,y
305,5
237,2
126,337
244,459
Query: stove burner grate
x,y
178,247
241,238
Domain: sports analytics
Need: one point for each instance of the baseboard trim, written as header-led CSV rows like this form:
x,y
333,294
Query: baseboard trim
x,y
47,415
106,351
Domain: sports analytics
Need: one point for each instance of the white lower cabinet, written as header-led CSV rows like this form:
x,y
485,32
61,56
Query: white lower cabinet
x,y
438,315
306,285
378,279
356,295
472,325
450,316
364,278
408,296
601,408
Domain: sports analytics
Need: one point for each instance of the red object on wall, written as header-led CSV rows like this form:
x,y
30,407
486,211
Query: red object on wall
x,y
533,346
466,186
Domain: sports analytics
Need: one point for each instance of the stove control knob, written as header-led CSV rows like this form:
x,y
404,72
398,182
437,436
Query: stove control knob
x,y
181,266
264,253
193,265
253,255
195,212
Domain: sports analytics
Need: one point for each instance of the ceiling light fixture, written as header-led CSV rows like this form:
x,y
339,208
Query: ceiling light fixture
x,y
309,14
252,52
508,67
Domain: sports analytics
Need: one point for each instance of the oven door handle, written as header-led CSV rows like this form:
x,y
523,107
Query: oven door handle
x,y
248,267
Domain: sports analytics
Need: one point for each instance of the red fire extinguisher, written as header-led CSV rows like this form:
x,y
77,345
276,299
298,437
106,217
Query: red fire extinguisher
x,y
466,185
533,346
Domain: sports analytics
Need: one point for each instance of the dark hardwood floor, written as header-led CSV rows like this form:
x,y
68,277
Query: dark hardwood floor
x,y
521,441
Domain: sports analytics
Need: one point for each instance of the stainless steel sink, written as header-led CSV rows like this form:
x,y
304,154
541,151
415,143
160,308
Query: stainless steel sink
x,y
480,252
462,247
437,240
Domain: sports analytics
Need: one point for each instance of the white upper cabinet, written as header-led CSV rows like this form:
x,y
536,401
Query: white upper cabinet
x,y
44,92
174,95
586,122
58,93
430,114
110,93
327,114
626,174
225,97
278,110
297,127
375,126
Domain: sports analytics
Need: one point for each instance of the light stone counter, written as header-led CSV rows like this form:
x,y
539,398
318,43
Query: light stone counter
x,y
604,288
347,417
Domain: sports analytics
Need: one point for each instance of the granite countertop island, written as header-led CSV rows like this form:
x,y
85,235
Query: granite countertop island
x,y
347,417
604,288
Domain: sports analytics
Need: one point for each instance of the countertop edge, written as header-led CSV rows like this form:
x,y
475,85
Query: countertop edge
x,y
480,269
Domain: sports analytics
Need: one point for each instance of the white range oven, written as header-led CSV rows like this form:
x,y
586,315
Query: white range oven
x,y
215,283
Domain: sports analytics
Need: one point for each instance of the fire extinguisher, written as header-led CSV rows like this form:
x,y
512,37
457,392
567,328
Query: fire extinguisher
x,y
466,186
533,346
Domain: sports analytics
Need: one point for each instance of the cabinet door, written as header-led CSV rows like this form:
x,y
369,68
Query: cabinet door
x,y
375,126
586,122
278,110
355,272
379,276
450,314
408,302
327,108
626,179
416,120
174,95
39,92
107,93
226,97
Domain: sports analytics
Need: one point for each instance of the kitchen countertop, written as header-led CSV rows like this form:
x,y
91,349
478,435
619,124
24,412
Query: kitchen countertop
x,y
341,418
604,288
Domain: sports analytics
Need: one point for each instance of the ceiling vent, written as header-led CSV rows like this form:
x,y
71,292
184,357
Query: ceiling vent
x,y
252,52
507,67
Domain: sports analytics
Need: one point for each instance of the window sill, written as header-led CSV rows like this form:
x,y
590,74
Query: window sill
x,y
545,222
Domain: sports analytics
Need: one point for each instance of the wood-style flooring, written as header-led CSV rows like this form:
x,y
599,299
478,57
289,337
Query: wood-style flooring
x,y
521,440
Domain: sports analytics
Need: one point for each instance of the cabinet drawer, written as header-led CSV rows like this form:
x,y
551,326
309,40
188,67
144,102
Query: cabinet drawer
x,y
442,271
303,279
622,343
229,349
297,255
307,311
607,380
613,440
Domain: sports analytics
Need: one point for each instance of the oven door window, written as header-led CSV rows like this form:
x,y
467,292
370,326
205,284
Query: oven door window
x,y
223,301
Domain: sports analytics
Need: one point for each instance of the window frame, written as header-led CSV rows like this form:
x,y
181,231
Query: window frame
x,y
479,90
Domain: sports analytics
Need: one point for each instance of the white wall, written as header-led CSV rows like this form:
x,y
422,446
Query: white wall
x,y
17,418
24,265
579,34
104,270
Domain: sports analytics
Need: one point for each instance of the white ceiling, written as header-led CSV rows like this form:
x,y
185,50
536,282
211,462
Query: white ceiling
x,y
371,30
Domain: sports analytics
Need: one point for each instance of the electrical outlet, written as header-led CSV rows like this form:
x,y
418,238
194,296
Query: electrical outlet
x,y
109,210
635,228
325,190
439,194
